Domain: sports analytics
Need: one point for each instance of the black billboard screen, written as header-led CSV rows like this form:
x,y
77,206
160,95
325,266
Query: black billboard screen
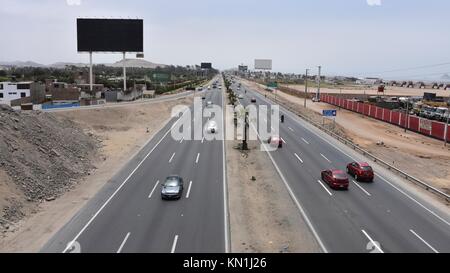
x,y
110,35
206,65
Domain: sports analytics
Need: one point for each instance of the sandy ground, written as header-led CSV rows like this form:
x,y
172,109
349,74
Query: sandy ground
x,y
389,91
123,131
420,156
263,217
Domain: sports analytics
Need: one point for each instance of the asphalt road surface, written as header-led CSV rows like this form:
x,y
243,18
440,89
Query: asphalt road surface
x,y
128,214
384,216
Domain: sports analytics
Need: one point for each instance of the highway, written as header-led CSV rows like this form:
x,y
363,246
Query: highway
x,y
384,216
128,214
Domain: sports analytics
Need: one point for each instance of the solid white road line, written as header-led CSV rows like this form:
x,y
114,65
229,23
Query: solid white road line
x,y
189,189
196,160
151,193
296,155
283,140
174,245
292,130
359,186
120,187
304,140
123,243
323,186
414,200
423,241
325,158
171,158
375,244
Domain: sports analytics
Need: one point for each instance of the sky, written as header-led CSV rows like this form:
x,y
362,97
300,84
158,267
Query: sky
x,y
345,37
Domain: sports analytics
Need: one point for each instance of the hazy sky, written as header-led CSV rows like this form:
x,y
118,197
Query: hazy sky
x,y
346,37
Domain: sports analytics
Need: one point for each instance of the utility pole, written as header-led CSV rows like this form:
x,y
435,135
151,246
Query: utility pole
x,y
306,86
407,115
446,127
318,86
244,143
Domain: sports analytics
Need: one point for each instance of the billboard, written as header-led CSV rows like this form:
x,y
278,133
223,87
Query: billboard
x,y
206,66
243,68
263,64
110,35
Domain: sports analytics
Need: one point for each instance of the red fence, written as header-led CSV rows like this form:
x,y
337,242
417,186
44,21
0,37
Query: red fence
x,y
416,124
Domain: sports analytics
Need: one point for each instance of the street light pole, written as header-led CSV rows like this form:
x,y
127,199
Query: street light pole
x,y
306,86
446,128
318,86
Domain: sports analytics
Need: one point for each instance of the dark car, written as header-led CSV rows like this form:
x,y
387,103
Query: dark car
x,y
172,188
275,141
253,100
336,179
361,171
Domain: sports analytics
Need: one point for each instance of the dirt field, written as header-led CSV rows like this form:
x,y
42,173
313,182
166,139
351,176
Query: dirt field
x,y
122,131
389,91
420,156
263,217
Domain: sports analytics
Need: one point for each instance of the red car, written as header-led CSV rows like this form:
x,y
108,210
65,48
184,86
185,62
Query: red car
x,y
361,171
336,179
275,140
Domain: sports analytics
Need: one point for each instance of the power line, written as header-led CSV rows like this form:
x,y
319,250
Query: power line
x,y
412,68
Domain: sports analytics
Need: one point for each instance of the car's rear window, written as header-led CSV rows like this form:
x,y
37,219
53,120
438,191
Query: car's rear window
x,y
171,182
366,168
339,175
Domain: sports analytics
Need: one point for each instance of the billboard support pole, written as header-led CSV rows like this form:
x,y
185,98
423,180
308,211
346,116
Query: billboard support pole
x,y
124,74
91,82
318,85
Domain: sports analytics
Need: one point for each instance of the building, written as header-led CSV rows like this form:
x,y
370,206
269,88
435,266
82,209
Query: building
x,y
97,92
10,91
63,93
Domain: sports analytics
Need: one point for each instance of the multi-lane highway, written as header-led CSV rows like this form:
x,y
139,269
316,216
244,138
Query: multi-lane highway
x,y
128,214
384,216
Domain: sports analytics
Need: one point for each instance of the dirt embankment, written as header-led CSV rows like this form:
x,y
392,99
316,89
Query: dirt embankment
x,y
41,158
418,155
263,217
120,131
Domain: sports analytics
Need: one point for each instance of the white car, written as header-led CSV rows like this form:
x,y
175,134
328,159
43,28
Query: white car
x,y
241,97
211,127
208,104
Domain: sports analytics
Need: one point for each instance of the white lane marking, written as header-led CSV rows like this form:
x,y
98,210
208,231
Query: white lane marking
x,y
225,186
203,139
323,186
120,187
283,140
375,244
417,202
174,245
123,243
423,241
265,120
154,188
171,158
182,140
196,160
325,158
359,186
292,130
296,155
304,140
189,189
292,195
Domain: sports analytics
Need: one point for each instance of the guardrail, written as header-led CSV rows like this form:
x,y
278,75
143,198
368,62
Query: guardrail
x,y
355,147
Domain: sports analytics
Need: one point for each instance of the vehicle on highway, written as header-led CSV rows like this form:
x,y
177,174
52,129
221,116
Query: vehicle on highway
x,y
275,141
209,87
315,99
241,96
208,104
253,100
336,179
203,98
172,188
361,171
211,127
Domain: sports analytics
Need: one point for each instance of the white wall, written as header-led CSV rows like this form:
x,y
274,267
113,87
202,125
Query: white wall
x,y
10,91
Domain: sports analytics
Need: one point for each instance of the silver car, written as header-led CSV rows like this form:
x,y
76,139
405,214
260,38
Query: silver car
x,y
172,188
